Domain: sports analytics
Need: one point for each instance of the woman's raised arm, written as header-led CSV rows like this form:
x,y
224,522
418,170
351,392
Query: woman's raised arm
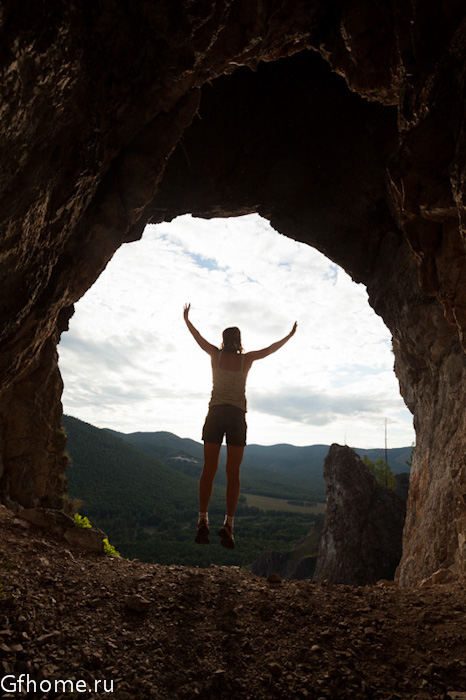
x,y
202,342
260,354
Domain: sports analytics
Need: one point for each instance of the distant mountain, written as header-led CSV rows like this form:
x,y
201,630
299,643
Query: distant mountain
x,y
185,454
267,470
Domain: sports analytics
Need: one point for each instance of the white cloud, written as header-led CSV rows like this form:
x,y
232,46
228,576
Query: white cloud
x,y
129,363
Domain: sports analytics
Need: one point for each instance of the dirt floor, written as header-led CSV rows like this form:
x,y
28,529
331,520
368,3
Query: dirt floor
x,y
150,631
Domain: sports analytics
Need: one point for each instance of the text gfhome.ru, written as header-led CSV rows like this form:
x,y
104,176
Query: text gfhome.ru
x,y
24,683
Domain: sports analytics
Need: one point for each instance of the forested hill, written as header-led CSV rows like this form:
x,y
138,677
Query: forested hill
x,y
112,477
267,470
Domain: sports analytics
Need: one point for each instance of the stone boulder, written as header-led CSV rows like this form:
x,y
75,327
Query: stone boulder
x,y
363,525
48,519
87,538
56,522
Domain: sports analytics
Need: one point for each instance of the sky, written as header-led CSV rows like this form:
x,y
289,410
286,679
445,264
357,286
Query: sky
x,y
129,363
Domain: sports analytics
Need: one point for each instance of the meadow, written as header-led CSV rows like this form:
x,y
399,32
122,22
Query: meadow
x,y
266,503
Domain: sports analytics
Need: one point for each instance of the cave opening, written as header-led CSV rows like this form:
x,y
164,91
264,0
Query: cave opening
x,y
128,363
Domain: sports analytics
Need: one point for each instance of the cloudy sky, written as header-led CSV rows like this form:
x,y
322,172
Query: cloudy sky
x,y
129,363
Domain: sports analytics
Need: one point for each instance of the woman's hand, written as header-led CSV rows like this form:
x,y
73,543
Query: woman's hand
x,y
293,330
202,342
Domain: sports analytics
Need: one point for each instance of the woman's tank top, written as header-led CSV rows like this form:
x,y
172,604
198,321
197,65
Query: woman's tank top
x,y
229,386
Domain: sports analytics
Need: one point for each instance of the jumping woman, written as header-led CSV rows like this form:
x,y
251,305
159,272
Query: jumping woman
x,y
226,416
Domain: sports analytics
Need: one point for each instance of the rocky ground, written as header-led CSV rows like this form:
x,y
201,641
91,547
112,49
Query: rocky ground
x,y
151,631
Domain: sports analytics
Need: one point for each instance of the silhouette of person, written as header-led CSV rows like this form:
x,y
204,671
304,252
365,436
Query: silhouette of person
x,y
226,416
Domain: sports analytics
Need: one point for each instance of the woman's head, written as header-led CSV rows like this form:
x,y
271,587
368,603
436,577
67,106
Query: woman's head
x,y
232,340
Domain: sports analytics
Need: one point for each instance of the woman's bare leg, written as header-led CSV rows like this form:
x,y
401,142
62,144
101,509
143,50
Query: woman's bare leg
x,y
233,465
234,459
206,482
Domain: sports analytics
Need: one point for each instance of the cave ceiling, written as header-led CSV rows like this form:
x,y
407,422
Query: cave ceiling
x,y
291,142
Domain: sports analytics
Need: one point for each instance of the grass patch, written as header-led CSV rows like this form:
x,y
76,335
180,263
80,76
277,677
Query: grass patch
x,y
281,504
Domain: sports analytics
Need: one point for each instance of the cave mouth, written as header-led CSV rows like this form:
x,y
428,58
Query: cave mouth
x,y
292,143
128,363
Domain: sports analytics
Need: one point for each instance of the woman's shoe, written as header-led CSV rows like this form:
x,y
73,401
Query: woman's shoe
x,y
202,534
226,536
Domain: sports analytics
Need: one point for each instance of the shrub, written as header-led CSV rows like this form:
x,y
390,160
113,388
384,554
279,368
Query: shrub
x,y
110,550
81,521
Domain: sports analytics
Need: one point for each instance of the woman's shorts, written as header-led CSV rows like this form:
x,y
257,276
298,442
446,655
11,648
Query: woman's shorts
x,y
225,420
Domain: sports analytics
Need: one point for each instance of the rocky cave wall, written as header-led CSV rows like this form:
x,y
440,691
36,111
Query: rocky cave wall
x,y
349,136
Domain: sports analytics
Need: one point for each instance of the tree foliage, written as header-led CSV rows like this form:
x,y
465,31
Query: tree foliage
x,y
381,471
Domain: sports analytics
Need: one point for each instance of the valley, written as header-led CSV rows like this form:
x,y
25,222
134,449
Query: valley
x,y
141,489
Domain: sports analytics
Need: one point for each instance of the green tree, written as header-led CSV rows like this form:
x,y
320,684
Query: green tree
x,y
381,471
